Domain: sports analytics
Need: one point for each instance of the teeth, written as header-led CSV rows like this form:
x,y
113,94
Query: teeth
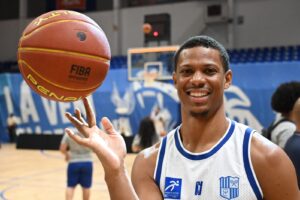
x,y
198,94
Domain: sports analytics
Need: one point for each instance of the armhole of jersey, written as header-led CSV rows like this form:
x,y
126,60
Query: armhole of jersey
x,y
248,164
160,159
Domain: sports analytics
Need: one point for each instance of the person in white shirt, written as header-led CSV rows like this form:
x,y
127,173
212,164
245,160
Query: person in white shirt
x,y
80,167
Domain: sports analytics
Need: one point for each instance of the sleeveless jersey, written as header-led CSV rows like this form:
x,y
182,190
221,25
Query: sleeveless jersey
x,y
223,172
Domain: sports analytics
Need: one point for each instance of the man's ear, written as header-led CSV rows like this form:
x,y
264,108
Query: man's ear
x,y
228,79
174,78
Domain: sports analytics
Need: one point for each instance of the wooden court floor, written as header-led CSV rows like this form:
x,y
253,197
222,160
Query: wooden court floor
x,y
41,175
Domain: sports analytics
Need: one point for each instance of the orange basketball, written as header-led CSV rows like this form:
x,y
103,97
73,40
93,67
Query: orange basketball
x,y
64,55
147,28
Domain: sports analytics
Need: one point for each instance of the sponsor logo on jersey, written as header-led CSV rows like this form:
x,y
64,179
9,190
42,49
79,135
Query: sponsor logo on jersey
x,y
198,188
172,188
229,187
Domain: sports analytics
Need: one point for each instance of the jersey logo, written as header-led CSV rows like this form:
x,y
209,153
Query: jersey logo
x,y
229,187
172,188
198,188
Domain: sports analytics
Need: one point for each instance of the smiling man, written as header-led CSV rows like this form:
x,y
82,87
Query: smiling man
x,y
208,156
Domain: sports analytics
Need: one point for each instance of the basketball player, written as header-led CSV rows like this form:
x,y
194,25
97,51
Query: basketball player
x,y
80,167
208,156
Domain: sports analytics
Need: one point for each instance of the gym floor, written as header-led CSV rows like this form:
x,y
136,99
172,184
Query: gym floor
x,y
41,175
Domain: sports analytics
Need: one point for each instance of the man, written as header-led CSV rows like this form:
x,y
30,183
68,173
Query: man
x,y
80,166
208,156
292,147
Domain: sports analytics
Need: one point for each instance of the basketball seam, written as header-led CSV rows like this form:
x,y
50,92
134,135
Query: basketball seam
x,y
24,35
105,60
57,85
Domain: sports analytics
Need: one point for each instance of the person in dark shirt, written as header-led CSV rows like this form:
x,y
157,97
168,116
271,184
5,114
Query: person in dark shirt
x,y
146,137
11,126
292,147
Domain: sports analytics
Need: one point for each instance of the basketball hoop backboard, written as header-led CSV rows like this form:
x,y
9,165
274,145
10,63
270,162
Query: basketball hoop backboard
x,y
149,60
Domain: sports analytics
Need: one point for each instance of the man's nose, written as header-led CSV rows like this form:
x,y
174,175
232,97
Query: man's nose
x,y
197,77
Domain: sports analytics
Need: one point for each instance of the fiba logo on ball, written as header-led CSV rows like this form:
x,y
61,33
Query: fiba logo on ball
x,y
64,55
79,73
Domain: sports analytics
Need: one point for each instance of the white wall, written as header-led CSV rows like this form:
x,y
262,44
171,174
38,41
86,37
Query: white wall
x,y
131,21
9,34
266,23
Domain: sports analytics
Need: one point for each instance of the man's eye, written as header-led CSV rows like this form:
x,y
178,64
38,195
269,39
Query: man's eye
x,y
186,71
210,71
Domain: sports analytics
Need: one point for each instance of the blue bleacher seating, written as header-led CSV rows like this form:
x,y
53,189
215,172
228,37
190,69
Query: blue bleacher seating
x,y
265,54
243,55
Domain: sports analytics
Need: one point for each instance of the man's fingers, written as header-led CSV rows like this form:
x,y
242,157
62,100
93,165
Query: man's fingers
x,y
78,124
79,116
107,125
89,113
76,138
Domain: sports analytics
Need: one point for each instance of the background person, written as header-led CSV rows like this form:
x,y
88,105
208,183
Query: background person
x,y
80,167
160,118
146,136
292,147
11,127
283,100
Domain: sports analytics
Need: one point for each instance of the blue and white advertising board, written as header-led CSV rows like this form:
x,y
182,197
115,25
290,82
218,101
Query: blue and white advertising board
x,y
126,102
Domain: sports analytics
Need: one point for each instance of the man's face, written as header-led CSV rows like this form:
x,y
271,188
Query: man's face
x,y
200,80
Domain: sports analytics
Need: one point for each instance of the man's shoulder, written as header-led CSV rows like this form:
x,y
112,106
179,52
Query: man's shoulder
x,y
149,154
264,152
272,167
240,127
146,160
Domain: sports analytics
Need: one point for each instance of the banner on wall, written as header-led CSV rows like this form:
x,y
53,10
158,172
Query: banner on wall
x,y
126,102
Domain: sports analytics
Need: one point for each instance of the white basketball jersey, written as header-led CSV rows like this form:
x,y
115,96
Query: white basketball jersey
x,y
223,172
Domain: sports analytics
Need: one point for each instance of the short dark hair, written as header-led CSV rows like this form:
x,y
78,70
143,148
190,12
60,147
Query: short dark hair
x,y
147,132
203,41
285,96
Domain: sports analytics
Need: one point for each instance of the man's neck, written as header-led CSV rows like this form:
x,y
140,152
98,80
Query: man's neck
x,y
200,134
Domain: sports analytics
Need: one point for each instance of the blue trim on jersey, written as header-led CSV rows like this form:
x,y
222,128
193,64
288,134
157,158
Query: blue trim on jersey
x,y
204,155
160,161
247,166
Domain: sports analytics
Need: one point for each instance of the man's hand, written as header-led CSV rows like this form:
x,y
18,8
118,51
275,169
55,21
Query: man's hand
x,y
109,145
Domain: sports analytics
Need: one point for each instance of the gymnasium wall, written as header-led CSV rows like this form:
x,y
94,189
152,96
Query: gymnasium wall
x,y
263,23
126,103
